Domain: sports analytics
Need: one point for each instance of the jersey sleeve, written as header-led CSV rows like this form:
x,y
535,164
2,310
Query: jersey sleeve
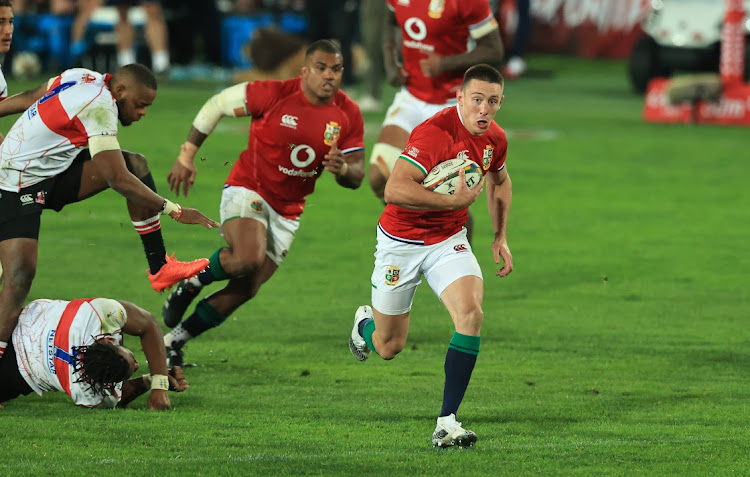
x,y
99,117
111,313
353,138
498,160
479,18
260,95
426,147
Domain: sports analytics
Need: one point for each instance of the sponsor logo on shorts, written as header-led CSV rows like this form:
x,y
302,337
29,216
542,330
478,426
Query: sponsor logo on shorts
x,y
392,274
487,157
289,121
40,197
460,247
332,132
257,206
26,199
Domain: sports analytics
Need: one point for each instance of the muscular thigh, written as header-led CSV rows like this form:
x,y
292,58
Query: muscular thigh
x,y
248,221
449,261
396,275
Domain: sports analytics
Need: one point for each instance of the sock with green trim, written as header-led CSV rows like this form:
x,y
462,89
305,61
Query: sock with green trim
x,y
203,319
213,272
366,329
459,364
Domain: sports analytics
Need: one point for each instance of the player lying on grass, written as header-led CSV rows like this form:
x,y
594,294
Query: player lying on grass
x,y
44,164
76,347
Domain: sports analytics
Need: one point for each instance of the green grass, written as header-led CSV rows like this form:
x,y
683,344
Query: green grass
x,y
618,346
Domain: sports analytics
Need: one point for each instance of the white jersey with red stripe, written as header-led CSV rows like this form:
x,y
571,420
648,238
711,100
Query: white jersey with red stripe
x,y
47,334
3,86
47,137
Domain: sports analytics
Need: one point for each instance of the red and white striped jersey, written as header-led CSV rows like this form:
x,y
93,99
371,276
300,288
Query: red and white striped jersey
x,y
47,137
45,338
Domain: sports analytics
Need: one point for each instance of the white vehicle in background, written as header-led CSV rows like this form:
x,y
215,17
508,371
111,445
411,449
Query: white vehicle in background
x,y
681,36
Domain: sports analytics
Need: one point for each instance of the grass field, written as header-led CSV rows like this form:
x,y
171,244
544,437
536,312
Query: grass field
x,y
618,346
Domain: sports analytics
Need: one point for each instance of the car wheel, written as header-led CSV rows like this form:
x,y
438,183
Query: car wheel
x,y
644,63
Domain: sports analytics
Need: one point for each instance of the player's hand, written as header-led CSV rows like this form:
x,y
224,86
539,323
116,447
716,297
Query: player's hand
x,y
432,65
463,196
177,381
183,173
334,161
158,400
500,250
196,217
397,76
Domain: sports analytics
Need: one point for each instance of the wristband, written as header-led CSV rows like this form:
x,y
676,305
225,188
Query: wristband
x,y
160,381
170,207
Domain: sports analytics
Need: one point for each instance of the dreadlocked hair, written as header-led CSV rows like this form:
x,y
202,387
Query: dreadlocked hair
x,y
101,366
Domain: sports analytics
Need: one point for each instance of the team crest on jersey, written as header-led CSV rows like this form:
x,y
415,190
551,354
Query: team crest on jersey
x,y
436,8
257,206
332,132
392,274
487,157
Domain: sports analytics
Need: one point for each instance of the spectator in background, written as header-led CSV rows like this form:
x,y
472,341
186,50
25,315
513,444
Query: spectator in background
x,y
515,64
371,35
156,32
192,21
337,20
6,37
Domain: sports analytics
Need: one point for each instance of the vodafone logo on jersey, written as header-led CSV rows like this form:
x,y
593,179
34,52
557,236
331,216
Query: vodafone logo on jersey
x,y
289,121
416,29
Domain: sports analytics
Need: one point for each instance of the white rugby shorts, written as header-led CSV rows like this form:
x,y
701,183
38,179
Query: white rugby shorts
x,y
399,267
239,202
407,112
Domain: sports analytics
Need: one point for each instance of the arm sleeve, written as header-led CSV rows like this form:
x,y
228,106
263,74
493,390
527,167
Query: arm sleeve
x,y
354,137
480,19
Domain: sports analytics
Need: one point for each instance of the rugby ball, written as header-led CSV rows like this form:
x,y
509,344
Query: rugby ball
x,y
443,178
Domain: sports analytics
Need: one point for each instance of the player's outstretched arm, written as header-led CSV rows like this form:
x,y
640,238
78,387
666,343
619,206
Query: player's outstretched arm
x,y
141,323
499,196
404,188
20,102
111,165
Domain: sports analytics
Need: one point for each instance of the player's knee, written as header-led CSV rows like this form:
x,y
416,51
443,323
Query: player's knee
x,y
248,263
137,163
470,320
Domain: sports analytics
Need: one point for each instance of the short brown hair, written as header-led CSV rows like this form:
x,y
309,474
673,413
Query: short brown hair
x,y
6,3
483,72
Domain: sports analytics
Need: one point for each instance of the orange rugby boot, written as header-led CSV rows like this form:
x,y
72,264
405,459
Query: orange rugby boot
x,y
175,271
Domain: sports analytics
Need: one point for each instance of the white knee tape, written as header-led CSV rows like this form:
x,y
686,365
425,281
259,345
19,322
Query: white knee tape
x,y
384,156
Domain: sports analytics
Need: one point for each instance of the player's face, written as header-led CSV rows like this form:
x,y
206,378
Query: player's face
x,y
321,76
478,102
133,102
6,28
130,358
